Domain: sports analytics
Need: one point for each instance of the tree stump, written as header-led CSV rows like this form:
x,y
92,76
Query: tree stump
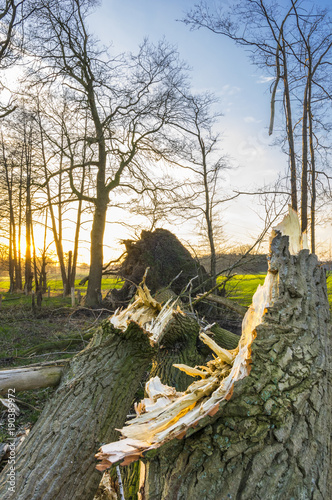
x,y
272,439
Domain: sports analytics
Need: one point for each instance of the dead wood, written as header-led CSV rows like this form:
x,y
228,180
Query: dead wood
x,y
96,391
34,376
266,436
224,301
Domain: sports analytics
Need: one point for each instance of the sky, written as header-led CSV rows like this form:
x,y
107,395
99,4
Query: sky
x,y
218,66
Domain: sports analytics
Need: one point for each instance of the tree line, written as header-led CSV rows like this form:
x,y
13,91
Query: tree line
x,y
87,130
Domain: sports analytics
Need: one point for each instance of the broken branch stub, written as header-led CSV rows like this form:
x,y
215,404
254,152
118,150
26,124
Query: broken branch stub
x,y
166,414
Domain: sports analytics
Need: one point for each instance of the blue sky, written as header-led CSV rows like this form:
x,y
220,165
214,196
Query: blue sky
x,y
218,66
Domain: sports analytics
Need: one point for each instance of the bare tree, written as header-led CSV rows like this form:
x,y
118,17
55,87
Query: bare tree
x,y
293,43
313,55
260,28
128,101
13,13
9,179
200,155
59,198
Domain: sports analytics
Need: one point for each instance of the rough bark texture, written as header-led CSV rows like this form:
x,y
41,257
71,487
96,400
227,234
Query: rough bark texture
x,y
96,392
224,338
93,293
271,440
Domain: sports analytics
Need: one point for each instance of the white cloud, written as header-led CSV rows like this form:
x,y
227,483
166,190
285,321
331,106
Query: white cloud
x,y
251,119
265,79
229,90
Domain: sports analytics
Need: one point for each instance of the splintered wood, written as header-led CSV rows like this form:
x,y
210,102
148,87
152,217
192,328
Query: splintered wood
x,y
165,413
147,312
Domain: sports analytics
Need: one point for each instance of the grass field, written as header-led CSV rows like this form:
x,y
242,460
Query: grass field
x,y
56,292
242,287
56,284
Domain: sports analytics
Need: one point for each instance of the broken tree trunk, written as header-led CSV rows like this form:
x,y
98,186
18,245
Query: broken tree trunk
x,y
272,439
96,392
271,436
97,388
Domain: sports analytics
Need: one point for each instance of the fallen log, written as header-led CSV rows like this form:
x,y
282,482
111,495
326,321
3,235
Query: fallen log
x,y
180,348
34,376
96,392
94,397
224,338
264,429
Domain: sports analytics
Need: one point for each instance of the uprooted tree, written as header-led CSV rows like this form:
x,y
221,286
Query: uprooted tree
x,y
255,425
170,265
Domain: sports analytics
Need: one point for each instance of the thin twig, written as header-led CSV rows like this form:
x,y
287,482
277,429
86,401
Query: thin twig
x,y
28,405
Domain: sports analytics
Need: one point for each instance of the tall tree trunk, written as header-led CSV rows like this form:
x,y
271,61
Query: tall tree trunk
x,y
11,270
304,177
28,200
272,439
289,127
57,232
13,266
97,389
313,176
43,264
28,229
77,234
69,272
96,254
19,236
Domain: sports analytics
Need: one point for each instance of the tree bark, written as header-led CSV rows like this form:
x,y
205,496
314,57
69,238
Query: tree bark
x,y
313,174
271,440
289,128
28,229
96,262
304,177
96,392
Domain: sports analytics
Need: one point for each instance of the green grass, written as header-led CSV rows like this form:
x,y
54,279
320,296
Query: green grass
x,y
329,287
243,286
56,284
56,299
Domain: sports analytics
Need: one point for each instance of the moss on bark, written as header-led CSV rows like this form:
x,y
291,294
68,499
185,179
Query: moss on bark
x,y
95,394
272,439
